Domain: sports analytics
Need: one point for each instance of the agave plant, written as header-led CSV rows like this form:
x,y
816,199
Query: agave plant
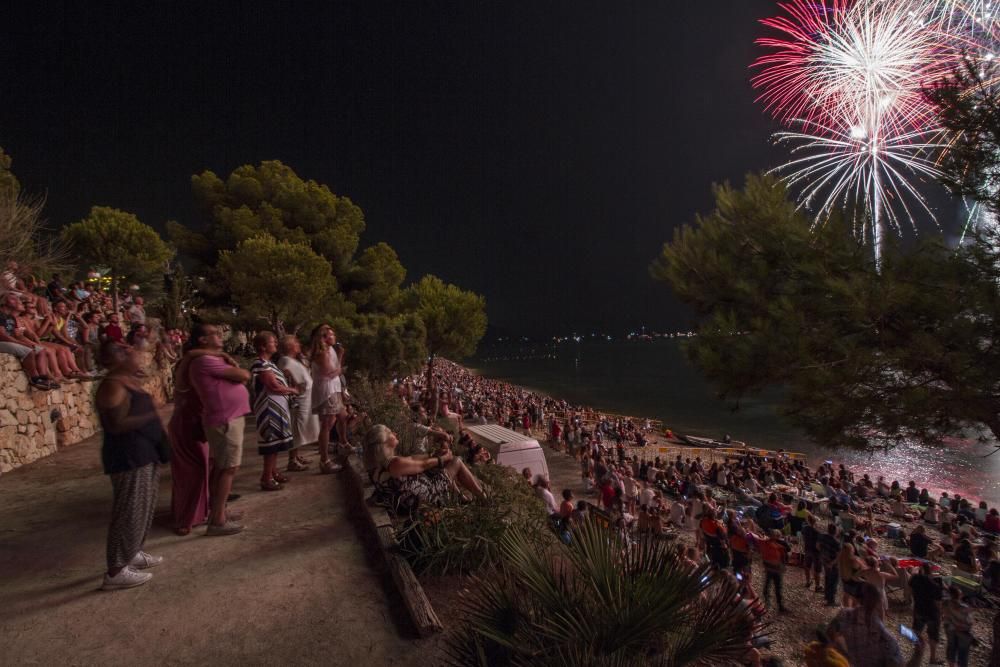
x,y
599,601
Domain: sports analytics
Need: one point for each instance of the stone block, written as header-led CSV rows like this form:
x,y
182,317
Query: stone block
x,y
20,382
7,418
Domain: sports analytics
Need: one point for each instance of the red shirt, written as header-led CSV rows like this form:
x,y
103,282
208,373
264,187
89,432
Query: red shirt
x,y
607,495
113,332
992,523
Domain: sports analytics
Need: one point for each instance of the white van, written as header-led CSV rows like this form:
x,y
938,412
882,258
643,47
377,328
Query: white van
x,y
510,448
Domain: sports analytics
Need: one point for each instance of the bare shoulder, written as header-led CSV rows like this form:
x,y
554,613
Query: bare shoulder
x,y
110,393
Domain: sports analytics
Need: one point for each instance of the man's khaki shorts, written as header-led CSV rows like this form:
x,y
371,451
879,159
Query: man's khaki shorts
x,y
225,443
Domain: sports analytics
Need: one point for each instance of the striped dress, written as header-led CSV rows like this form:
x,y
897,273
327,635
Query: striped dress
x,y
273,413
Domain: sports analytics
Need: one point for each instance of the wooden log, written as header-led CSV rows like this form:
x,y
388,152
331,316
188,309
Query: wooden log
x,y
421,611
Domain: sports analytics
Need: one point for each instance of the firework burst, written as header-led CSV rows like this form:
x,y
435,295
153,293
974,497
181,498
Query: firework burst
x,y
848,79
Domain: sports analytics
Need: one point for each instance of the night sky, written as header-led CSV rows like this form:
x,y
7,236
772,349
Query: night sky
x,y
536,152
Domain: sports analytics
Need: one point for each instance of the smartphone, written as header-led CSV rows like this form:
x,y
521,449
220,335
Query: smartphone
x,y
908,633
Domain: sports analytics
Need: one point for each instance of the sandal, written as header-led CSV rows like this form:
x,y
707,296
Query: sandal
x,y
40,383
302,461
182,531
270,485
328,467
279,478
296,466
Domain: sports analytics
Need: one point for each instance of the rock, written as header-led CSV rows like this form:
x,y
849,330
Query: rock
x,y
20,381
7,418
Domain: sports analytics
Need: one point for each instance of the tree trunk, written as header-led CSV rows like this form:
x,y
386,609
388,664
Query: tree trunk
x,y
431,391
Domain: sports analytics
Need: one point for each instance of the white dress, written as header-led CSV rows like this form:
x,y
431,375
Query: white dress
x,y
305,425
326,396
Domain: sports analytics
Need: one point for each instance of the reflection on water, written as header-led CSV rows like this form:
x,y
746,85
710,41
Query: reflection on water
x,y
654,379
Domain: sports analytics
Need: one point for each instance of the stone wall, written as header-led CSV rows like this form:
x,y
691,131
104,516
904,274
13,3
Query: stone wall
x,y
35,424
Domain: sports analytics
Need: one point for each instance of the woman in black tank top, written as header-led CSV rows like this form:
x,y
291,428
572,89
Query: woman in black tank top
x,y
134,444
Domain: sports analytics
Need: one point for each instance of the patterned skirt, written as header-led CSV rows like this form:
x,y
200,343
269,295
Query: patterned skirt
x,y
132,510
274,424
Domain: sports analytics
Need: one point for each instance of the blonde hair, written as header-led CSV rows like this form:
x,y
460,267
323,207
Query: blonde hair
x,y
375,447
316,343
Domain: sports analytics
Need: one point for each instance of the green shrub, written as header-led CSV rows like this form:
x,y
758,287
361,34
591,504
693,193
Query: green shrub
x,y
465,538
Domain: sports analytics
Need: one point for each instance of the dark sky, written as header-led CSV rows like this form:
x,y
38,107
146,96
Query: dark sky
x,y
536,152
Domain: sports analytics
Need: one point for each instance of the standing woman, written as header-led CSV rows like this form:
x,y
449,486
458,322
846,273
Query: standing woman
x,y
189,465
305,425
327,399
271,408
134,445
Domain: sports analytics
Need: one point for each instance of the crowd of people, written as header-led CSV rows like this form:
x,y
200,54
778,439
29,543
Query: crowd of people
x,y
55,331
296,399
744,511
865,538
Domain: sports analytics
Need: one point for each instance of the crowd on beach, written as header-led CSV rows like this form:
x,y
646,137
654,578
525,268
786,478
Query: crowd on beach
x,y
866,539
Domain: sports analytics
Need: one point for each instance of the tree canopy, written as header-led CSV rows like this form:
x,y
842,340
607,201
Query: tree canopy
x,y
117,240
374,283
455,319
866,358
271,199
284,283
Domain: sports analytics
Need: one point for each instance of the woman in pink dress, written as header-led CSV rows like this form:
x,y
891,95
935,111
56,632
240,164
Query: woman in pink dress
x,y
189,461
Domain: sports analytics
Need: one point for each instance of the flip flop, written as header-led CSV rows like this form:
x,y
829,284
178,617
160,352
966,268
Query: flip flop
x,y
328,467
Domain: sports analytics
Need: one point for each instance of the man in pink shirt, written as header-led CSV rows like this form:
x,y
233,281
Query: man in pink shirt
x,y
221,385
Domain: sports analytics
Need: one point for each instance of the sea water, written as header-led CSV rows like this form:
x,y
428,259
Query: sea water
x,y
653,378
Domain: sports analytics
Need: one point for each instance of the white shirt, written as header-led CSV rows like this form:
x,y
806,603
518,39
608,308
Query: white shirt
x,y
550,501
677,513
646,497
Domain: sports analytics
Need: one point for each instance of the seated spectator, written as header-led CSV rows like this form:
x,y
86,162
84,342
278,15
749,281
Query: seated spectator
x,y
423,479
566,506
900,509
138,336
932,514
29,354
923,546
112,330
992,522
542,491
54,290
965,557
912,494
981,512
579,515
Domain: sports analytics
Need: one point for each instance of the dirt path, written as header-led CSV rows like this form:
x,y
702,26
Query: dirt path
x,y
296,587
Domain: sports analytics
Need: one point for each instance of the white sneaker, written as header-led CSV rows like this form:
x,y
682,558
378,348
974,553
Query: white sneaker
x,y
144,561
127,578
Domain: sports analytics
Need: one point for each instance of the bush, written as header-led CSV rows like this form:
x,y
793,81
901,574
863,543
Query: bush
x,y
598,601
465,538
